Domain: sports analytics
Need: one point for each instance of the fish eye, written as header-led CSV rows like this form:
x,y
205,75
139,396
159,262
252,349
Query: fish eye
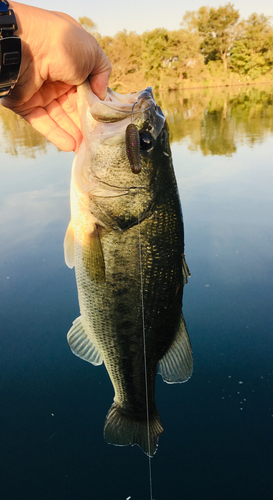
x,y
145,140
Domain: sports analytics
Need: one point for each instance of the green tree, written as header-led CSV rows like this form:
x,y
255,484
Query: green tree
x,y
171,56
155,50
252,52
87,24
216,28
125,53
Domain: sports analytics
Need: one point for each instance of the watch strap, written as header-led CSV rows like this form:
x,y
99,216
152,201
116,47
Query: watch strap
x,y
10,49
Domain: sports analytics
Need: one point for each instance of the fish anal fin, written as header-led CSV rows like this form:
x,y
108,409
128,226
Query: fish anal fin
x,y
69,246
177,364
92,256
122,430
81,343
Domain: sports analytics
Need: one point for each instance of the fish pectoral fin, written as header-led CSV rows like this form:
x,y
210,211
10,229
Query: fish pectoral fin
x,y
69,246
81,343
122,430
177,364
92,256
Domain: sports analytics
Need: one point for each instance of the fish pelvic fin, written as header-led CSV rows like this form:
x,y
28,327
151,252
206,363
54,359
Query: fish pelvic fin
x,y
69,246
81,343
177,364
122,430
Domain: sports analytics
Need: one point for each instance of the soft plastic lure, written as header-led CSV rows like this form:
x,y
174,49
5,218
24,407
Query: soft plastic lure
x,y
133,146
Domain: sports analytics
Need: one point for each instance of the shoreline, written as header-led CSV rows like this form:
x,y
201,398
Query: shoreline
x,y
200,87
124,87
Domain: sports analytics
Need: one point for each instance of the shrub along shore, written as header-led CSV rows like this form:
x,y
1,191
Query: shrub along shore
x,y
213,47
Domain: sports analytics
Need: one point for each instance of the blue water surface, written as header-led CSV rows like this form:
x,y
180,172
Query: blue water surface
x,y
218,434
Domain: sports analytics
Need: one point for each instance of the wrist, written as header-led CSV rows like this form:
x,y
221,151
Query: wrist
x,y
10,49
43,33
30,30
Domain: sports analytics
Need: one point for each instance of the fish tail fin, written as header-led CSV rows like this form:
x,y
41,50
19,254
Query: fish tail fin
x,y
122,430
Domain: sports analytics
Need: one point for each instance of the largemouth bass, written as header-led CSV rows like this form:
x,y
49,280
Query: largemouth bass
x,y
126,241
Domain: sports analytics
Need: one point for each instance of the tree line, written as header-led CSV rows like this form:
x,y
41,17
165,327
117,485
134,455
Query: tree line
x,y
213,46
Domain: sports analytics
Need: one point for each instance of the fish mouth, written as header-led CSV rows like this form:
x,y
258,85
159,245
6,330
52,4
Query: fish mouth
x,y
117,107
107,120
129,123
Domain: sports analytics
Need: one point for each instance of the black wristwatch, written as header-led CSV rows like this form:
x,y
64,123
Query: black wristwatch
x,y
10,49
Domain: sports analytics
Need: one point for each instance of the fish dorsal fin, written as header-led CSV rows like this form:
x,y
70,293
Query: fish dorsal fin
x,y
69,246
176,365
81,343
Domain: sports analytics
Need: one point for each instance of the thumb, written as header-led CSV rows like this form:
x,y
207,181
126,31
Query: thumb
x,y
98,84
100,75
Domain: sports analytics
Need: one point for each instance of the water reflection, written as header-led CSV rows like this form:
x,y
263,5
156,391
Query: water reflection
x,y
18,137
214,121
217,121
53,409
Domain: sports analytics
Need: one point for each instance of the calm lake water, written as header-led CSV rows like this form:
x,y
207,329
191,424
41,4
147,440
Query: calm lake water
x,y
218,437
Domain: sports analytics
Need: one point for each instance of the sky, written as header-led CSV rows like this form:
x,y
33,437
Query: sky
x,y
113,16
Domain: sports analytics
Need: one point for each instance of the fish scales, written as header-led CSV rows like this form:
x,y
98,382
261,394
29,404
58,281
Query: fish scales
x,y
108,202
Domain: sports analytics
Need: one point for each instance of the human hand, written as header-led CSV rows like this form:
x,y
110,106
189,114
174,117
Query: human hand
x,y
57,55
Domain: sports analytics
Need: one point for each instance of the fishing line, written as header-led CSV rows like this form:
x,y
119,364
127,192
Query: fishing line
x,y
133,153
144,354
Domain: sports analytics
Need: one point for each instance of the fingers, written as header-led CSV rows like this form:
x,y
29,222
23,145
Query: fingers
x,y
100,74
68,102
56,125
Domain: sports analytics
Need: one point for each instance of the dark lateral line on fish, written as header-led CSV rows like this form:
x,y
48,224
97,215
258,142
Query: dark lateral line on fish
x,y
147,213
